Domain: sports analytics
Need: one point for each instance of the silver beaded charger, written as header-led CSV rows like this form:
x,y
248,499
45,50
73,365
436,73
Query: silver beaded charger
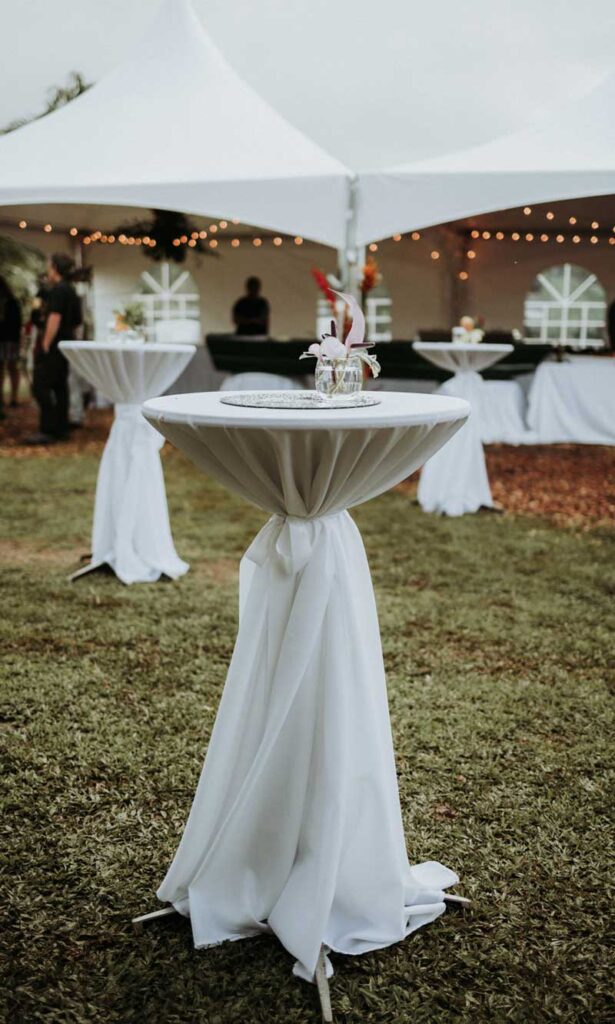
x,y
298,400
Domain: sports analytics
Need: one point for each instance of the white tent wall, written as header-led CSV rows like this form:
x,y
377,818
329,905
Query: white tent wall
x,y
500,277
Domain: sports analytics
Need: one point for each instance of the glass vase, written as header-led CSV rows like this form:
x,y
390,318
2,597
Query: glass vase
x,y
339,378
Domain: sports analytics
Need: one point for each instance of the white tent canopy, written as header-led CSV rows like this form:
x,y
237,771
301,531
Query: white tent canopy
x,y
569,155
175,127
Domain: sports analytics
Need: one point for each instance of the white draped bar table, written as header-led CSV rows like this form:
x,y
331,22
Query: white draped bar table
x,y
131,531
455,480
296,826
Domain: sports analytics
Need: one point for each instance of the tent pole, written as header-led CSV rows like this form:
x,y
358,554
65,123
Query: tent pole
x,y
349,257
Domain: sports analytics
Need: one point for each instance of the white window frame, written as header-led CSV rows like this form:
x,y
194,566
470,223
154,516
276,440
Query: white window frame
x,y
574,312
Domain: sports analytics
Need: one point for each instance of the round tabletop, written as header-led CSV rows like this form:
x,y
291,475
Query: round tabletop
x,y
147,347
461,357
461,346
396,409
128,373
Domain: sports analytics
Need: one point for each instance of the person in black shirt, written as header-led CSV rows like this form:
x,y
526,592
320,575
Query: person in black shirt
x,y
10,336
251,311
50,385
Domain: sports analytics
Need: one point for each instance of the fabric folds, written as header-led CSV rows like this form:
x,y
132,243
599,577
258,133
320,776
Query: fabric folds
x,y
296,825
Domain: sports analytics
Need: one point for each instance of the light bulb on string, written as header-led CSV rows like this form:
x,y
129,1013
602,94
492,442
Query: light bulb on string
x,y
550,215
235,243
23,224
397,238
373,247
417,234
299,240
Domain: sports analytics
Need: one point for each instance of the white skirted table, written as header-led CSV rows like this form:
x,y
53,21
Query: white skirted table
x,y
455,480
296,826
131,531
574,401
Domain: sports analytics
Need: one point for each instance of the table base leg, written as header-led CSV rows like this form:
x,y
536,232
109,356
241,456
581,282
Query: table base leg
x,y
322,984
90,567
138,922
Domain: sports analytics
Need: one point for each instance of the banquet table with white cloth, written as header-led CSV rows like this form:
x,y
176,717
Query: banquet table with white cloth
x,y
573,401
454,481
131,531
296,826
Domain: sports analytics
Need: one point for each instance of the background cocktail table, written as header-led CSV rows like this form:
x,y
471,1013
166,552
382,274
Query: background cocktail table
x,y
131,531
455,481
296,825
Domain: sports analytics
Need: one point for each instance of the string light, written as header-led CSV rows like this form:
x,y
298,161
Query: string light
x,y
527,210
299,241
499,235
73,232
235,243
397,238
572,220
475,233
435,255
463,275
515,236
544,238
576,239
471,254
374,248
486,235
257,242
223,224
23,224
277,240
48,228
417,234
192,243
594,239
559,238
213,228
595,225
611,241
550,215
235,220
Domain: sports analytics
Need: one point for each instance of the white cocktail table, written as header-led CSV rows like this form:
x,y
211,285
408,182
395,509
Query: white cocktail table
x,y
296,825
131,531
455,481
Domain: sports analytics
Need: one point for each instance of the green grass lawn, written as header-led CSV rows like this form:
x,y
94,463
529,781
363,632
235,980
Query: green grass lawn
x,y
496,641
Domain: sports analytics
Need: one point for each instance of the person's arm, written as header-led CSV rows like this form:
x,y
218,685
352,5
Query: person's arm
x,y
51,329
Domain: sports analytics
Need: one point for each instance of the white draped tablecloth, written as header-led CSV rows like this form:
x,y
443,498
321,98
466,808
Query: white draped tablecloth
x,y
574,401
455,481
131,531
296,825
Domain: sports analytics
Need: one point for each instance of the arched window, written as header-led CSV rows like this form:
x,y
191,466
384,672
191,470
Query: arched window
x,y
567,305
167,292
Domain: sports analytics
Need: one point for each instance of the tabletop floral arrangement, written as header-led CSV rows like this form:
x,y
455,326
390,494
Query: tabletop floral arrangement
x,y
467,333
340,364
128,323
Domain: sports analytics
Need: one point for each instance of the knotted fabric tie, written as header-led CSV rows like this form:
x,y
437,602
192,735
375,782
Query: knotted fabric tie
x,y
128,411
291,539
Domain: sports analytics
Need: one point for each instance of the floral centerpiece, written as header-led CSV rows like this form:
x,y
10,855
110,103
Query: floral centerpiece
x,y
128,323
340,364
467,333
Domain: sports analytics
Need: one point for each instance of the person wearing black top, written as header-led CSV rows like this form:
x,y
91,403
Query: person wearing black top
x,y
50,385
251,311
10,336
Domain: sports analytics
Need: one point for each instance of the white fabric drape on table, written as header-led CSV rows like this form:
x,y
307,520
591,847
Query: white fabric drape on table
x,y
574,401
502,413
454,481
131,531
296,825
